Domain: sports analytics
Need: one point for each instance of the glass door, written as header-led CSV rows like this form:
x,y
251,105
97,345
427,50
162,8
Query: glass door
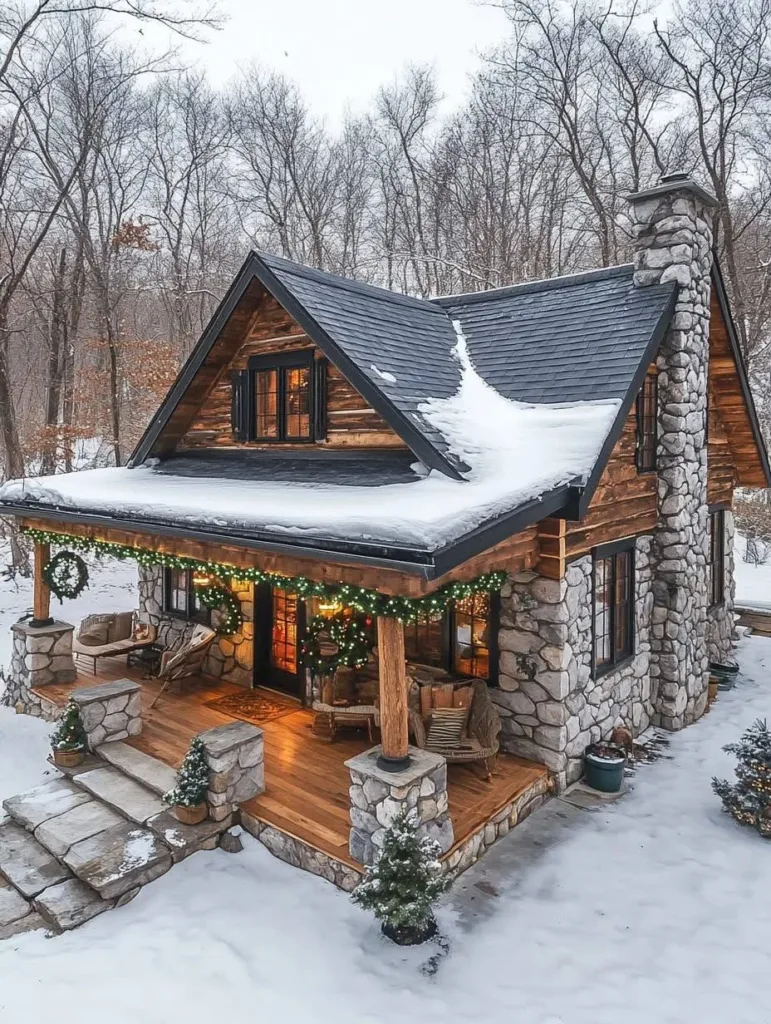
x,y
283,621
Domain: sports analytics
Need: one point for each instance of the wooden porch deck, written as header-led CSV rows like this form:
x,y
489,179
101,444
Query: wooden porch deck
x,y
306,779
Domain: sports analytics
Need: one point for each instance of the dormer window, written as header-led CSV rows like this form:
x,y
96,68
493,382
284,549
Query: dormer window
x,y
647,419
280,399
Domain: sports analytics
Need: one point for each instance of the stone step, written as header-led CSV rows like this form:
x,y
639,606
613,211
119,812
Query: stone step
x,y
141,767
37,805
16,913
89,819
27,865
69,904
186,839
129,798
118,860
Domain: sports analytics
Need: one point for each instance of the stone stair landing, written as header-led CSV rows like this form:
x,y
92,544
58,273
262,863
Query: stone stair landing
x,y
82,844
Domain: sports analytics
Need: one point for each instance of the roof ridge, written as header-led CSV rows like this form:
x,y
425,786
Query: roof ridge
x,y
544,284
346,283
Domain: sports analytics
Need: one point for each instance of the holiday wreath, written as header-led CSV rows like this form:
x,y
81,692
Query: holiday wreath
x,y
66,575
344,639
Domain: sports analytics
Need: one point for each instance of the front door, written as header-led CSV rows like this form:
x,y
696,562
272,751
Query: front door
x,y
281,616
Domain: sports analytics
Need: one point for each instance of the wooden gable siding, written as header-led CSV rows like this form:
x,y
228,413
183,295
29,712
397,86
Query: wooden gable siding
x,y
623,505
730,403
351,422
721,471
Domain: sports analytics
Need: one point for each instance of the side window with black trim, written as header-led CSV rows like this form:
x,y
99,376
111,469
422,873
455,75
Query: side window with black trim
x,y
180,598
613,619
280,398
716,557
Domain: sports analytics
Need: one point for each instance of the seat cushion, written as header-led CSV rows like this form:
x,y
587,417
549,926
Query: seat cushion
x,y
122,626
94,634
445,728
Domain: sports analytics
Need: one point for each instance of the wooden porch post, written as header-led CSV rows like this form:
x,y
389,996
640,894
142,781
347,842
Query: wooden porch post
x,y
393,695
41,595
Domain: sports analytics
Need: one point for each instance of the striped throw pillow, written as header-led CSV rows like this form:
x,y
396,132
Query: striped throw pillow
x,y
446,728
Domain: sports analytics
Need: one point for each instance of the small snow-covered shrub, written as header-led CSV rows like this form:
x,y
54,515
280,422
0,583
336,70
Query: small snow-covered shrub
x,y
402,887
192,777
748,800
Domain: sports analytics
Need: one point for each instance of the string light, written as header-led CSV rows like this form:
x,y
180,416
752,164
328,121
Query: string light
x,y
370,602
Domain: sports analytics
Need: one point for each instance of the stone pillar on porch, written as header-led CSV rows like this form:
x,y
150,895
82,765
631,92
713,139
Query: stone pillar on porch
x,y
378,796
42,656
110,711
235,755
394,776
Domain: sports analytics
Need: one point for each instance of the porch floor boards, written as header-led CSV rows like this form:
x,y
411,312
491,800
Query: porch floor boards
x,y
306,778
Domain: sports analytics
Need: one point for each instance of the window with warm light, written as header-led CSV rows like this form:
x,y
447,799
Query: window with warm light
x,y
282,389
460,639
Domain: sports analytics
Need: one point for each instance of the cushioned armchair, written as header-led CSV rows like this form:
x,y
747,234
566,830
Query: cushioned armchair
x,y
110,635
483,727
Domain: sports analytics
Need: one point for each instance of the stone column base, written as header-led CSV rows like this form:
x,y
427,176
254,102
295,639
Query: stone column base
x,y
235,755
110,711
42,656
377,797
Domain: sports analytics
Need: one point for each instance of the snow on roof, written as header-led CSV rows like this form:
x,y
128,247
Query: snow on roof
x,y
516,453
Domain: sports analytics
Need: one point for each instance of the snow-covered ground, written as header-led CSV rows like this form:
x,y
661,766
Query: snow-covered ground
x,y
652,911
753,582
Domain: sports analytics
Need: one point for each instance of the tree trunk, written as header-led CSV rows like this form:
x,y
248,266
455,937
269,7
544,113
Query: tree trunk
x,y
14,458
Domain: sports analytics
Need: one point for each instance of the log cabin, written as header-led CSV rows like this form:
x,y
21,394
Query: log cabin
x,y
428,530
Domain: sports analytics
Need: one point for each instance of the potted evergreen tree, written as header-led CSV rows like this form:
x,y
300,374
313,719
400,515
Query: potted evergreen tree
x,y
402,887
748,800
68,740
188,798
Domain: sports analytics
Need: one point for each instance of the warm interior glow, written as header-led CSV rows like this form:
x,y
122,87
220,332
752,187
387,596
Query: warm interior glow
x,y
329,608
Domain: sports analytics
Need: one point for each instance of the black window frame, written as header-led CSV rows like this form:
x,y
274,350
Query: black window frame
x,y
646,456
716,557
618,658
448,660
193,611
282,362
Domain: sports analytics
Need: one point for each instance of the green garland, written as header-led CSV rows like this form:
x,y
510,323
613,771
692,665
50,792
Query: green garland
x,y
216,596
370,602
66,575
352,639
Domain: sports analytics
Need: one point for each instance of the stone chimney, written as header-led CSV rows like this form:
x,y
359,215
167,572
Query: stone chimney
x,y
673,242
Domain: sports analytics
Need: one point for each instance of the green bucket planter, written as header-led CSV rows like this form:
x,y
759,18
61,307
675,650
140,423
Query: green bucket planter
x,y
725,674
604,765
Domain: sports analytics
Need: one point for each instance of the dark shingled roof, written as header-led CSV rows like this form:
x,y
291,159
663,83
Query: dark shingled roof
x,y
577,338
568,339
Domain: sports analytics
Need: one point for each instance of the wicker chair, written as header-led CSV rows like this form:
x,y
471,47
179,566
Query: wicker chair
x,y
484,724
187,660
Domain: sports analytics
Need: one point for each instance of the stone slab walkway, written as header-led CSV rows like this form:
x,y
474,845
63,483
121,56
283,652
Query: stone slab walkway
x,y
129,798
118,860
27,865
141,767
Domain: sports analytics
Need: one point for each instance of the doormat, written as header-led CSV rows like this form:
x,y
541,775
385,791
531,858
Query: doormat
x,y
256,706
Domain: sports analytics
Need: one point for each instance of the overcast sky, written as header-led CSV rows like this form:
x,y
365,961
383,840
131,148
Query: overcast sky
x,y
340,51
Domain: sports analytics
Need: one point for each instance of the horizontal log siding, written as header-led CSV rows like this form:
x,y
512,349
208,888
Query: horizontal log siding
x,y
351,422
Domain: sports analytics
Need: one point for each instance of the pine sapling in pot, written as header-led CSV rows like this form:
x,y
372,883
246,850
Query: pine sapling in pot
x,y
405,882
68,740
748,800
188,798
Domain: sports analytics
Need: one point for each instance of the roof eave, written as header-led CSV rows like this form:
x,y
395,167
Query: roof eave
x,y
427,564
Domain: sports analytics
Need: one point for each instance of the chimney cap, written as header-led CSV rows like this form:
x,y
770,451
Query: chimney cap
x,y
675,181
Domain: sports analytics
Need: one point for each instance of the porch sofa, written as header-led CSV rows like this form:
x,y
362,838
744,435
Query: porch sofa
x,y
110,635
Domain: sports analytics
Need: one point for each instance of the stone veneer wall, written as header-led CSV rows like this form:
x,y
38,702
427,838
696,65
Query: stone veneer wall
x,y
41,656
110,711
674,243
229,657
551,706
720,620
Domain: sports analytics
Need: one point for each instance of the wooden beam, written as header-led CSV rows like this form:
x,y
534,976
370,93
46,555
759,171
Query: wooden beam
x,y
393,692
41,596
